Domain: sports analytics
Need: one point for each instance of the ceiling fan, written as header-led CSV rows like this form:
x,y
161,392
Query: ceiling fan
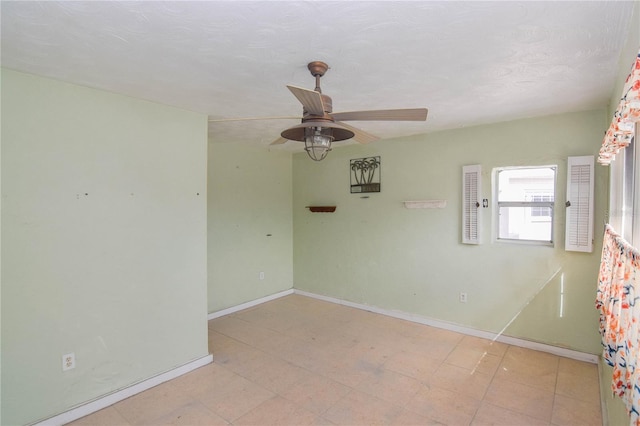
x,y
321,126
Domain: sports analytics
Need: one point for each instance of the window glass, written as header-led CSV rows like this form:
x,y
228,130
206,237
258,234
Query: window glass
x,y
628,196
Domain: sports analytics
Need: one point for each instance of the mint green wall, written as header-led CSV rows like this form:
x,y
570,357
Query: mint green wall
x,y
250,224
103,243
617,414
376,252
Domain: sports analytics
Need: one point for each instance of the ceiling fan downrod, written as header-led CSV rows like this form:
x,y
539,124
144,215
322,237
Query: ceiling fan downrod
x,y
317,69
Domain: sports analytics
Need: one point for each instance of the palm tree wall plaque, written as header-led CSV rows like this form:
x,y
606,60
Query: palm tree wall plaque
x,y
363,172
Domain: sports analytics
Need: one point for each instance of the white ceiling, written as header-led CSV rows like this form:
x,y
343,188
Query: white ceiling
x,y
468,62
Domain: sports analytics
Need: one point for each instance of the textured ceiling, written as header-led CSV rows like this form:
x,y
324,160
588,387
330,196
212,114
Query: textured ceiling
x,y
468,62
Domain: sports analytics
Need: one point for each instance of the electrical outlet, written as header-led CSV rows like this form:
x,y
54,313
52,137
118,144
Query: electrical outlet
x,y
68,361
463,297
261,275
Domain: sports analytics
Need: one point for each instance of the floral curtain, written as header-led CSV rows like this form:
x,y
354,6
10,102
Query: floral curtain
x,y
620,131
618,300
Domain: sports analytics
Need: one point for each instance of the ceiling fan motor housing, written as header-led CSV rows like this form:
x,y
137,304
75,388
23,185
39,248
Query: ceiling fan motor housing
x,y
327,103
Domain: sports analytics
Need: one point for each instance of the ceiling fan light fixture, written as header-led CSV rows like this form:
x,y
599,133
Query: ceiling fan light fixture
x,y
317,142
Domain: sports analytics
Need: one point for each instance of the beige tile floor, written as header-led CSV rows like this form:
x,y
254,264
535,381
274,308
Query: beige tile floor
x,y
298,361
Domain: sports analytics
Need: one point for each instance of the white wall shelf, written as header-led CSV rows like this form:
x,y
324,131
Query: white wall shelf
x,y
425,204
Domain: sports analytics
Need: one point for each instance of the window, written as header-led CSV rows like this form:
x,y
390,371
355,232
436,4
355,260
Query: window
x,y
624,203
525,200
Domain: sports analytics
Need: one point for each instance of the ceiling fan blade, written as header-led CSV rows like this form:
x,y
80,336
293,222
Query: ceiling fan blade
x,y
360,135
310,99
279,141
222,120
410,114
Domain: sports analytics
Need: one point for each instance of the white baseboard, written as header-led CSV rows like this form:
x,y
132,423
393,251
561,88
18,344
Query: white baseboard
x,y
117,396
542,347
555,350
250,304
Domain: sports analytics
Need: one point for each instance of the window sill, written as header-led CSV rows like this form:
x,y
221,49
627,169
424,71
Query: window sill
x,y
525,242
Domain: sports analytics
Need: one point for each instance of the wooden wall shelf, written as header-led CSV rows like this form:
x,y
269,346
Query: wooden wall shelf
x,y
322,209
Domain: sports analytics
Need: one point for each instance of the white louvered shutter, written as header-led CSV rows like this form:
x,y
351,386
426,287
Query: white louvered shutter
x,y
579,220
471,190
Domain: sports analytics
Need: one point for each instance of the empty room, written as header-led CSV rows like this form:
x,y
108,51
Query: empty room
x,y
319,212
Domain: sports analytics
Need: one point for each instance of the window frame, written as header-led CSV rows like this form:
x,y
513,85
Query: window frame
x,y
524,204
635,226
